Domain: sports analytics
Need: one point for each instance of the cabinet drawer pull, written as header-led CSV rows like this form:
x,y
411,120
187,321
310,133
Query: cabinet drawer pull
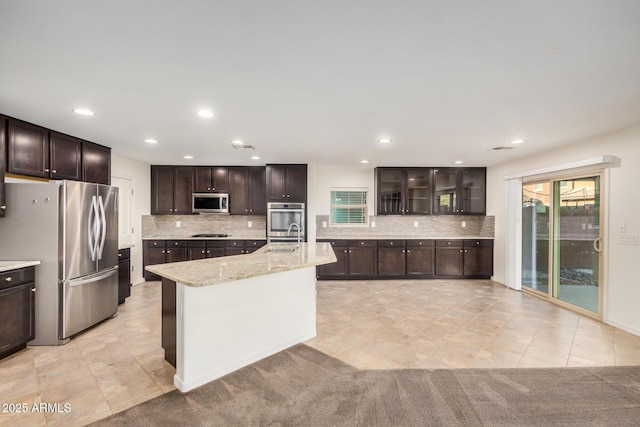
x,y
54,171
7,279
33,289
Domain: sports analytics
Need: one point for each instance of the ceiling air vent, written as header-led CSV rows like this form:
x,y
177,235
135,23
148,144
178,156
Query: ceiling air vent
x,y
499,148
243,147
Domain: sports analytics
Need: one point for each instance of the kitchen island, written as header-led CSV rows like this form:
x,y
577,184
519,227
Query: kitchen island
x,y
220,314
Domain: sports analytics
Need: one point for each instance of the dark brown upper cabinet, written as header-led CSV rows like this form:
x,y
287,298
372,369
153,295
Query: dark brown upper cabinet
x,y
3,150
35,151
65,156
459,191
96,163
171,189
403,191
247,190
27,149
211,179
287,183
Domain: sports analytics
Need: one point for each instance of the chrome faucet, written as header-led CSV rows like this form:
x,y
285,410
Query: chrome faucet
x,y
289,231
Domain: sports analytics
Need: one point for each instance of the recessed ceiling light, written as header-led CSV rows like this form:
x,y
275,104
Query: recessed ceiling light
x,y
255,157
151,141
205,113
188,157
364,161
458,162
84,112
384,140
517,141
237,142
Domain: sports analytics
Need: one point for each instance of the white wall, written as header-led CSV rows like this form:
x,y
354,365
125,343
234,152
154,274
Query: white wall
x,y
622,290
140,175
320,181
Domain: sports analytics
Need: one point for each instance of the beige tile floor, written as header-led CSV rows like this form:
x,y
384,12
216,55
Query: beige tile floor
x,y
111,367
368,324
459,324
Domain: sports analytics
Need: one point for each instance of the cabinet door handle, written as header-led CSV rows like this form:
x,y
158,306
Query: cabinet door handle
x,y
460,250
208,252
170,210
119,255
7,279
54,171
3,207
46,170
33,289
288,195
345,251
466,251
213,188
391,243
168,252
283,195
202,251
176,243
163,252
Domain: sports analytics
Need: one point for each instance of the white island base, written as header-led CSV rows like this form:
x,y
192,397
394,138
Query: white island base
x,y
222,328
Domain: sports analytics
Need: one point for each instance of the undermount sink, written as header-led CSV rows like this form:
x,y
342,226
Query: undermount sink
x,y
282,248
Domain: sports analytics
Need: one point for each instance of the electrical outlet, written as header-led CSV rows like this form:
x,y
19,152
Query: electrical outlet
x,y
464,224
373,224
415,223
324,224
622,227
178,224
250,224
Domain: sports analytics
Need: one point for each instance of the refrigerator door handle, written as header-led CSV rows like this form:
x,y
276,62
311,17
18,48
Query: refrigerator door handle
x,y
103,226
93,228
93,278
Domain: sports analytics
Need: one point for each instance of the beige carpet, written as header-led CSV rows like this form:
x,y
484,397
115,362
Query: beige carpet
x,y
304,387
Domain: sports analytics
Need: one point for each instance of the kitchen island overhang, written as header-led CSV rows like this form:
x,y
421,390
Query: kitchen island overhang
x,y
221,314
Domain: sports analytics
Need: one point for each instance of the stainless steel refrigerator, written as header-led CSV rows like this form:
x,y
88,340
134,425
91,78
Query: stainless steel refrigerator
x,y
72,229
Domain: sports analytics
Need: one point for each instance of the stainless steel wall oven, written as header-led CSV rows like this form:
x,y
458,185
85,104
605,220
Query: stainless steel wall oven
x,y
280,220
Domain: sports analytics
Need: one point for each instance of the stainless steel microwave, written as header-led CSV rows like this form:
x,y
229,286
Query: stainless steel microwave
x,y
210,203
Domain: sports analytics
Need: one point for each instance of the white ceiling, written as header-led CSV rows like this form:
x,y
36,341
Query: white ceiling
x,y
322,81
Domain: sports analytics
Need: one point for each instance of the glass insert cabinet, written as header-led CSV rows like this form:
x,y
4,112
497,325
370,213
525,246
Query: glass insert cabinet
x,y
430,190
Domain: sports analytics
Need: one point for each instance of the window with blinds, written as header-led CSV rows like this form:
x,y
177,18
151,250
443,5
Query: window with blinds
x,y
349,207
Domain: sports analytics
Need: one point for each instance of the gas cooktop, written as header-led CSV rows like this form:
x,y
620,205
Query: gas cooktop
x,y
210,235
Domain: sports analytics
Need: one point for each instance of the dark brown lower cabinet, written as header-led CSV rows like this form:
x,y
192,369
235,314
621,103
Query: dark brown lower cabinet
x,y
17,305
478,258
421,256
337,269
356,260
391,258
417,259
124,274
448,258
169,321
164,251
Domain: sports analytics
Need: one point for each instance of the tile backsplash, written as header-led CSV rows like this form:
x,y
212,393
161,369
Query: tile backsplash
x,y
164,226
403,227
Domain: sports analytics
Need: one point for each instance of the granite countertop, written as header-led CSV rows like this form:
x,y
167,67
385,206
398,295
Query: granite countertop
x,y
401,237
230,237
206,272
14,265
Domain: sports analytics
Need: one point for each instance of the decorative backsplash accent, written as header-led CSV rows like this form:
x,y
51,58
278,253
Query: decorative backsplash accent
x,y
402,227
164,226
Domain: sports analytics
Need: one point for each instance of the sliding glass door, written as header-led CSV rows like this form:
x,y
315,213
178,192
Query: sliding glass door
x,y
561,237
